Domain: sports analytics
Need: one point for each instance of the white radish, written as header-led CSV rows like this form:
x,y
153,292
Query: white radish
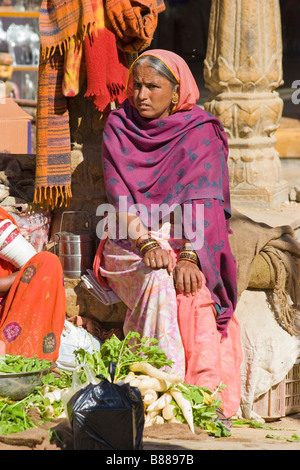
x,y
130,376
185,407
50,396
156,420
149,397
167,412
151,414
152,383
49,411
134,382
57,394
174,420
160,403
153,372
45,389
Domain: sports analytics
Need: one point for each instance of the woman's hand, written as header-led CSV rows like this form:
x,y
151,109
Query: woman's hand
x,y
159,258
187,277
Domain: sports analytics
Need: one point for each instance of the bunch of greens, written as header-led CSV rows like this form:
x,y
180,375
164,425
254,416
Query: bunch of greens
x,y
61,379
123,353
13,417
15,364
204,407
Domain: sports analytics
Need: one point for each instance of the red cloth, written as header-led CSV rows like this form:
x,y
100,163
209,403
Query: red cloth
x,y
106,67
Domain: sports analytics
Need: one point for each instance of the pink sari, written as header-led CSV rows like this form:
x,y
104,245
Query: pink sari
x,y
176,160
184,326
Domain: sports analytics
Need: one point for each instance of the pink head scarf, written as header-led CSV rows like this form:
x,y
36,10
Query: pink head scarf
x,y
188,89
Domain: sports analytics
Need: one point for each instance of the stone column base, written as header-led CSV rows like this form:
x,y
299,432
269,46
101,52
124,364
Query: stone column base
x,y
264,197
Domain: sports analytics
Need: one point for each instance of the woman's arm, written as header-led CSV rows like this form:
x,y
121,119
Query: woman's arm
x,y
137,232
6,283
187,277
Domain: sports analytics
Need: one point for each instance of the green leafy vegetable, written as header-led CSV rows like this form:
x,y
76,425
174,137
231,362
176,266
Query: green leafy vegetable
x,y
204,406
13,417
252,423
15,364
14,414
293,438
61,379
123,353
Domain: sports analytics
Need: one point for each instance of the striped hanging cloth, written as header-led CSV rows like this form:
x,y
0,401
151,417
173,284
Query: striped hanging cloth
x,y
63,23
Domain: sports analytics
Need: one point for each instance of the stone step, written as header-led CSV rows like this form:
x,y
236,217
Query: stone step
x,y
81,302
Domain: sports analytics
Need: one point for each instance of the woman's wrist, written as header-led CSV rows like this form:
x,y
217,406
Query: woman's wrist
x,y
188,254
142,238
147,245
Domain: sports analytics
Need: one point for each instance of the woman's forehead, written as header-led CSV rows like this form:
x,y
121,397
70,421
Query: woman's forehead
x,y
146,73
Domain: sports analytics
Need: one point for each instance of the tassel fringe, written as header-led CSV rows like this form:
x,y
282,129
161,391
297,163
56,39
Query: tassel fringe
x,y
77,39
53,196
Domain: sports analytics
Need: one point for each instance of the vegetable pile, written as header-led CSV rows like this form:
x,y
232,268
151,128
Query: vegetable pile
x,y
16,364
15,415
139,362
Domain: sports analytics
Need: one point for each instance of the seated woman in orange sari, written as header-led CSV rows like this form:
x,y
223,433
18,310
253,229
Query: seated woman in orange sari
x,y
32,296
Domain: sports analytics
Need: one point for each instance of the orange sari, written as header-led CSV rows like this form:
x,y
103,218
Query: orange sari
x,y
32,314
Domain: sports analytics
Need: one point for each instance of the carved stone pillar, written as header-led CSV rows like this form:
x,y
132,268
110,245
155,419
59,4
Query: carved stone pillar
x,y
242,69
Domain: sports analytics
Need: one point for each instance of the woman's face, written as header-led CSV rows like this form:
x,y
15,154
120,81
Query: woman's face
x,y
152,93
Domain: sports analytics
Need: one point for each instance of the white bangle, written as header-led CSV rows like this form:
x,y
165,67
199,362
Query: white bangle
x,y
19,250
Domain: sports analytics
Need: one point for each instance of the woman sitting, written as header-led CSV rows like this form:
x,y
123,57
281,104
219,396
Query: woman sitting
x,y
165,169
32,296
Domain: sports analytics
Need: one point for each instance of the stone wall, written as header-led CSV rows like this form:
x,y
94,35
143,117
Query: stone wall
x,y
86,128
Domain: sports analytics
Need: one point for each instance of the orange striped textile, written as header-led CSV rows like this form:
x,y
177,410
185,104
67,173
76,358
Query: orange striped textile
x,y
74,70
63,25
53,143
61,20
133,22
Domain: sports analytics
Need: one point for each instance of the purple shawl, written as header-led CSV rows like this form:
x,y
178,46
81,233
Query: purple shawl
x,y
176,160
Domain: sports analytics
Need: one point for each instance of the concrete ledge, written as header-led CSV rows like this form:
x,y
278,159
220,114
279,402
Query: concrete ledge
x,y
288,138
285,214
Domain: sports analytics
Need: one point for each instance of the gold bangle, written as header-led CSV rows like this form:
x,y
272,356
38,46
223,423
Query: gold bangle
x,y
188,259
151,249
151,246
142,246
146,239
190,252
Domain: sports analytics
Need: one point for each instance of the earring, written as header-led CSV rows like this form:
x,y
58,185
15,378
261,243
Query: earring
x,y
174,103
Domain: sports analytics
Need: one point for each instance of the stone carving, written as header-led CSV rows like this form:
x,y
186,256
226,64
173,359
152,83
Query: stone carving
x,y
242,69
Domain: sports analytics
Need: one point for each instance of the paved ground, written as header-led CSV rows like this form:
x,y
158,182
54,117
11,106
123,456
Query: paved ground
x,y
241,438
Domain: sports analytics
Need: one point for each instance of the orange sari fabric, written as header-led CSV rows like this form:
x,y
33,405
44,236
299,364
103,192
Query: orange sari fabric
x,y
32,314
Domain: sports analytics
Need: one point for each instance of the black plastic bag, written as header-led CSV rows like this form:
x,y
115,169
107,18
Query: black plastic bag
x,y
107,416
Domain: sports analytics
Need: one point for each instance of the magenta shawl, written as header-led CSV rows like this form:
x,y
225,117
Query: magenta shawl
x,y
176,160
